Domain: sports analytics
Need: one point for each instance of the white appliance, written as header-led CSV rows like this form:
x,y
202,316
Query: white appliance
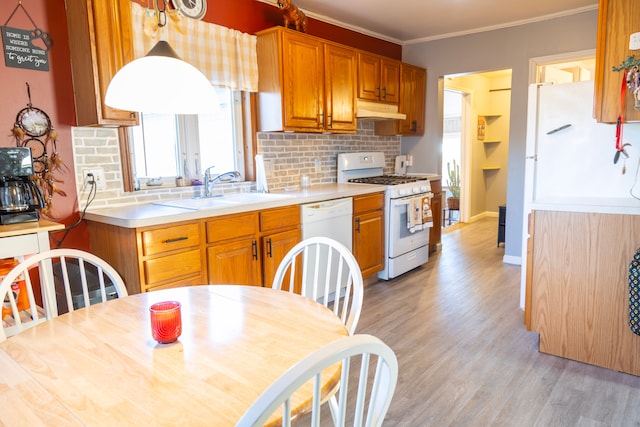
x,y
406,246
331,218
570,156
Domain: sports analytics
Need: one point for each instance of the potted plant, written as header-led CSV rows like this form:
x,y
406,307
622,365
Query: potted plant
x,y
453,183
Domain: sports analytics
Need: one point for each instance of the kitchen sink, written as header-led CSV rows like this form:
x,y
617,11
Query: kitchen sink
x,y
226,200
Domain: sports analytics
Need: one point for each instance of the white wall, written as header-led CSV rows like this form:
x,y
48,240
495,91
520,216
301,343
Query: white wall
x,y
493,50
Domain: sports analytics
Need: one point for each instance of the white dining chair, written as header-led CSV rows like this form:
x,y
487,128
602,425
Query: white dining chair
x,y
371,390
69,279
326,271
19,308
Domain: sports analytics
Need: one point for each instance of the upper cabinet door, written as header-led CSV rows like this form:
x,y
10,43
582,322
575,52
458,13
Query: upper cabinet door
x,y
302,81
340,77
413,85
100,44
389,80
368,76
617,19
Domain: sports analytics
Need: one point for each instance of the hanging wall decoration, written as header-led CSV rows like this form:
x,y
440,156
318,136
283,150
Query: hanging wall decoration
x,y
27,49
33,129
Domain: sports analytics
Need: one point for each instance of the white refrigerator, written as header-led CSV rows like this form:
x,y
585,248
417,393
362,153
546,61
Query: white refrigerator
x,y
570,157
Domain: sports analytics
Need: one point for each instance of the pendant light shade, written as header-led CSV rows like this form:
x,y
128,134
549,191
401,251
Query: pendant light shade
x,y
160,82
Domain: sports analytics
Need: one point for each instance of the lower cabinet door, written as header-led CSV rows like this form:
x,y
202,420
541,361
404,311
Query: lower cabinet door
x,y
234,263
274,248
368,242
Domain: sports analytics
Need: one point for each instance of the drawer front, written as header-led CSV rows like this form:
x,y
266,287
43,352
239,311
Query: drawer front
x,y
369,202
189,281
172,267
170,238
232,227
286,217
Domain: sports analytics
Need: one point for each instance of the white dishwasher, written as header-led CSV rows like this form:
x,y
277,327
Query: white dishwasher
x,y
331,218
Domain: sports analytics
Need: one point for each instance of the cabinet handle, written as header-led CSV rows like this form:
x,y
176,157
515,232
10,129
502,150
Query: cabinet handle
x,y
385,93
269,249
414,125
177,239
357,225
254,248
378,95
321,118
330,121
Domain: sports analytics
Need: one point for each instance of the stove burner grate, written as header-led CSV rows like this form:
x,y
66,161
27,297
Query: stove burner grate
x,y
387,180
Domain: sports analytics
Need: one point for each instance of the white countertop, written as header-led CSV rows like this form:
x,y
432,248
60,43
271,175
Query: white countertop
x,y
144,215
628,206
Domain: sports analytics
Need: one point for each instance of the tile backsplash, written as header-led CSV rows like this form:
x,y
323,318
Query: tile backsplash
x,y
286,155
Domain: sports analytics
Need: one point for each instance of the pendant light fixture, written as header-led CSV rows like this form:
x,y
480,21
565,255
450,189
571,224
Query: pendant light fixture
x,y
160,82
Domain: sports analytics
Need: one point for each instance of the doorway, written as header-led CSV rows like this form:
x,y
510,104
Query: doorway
x,y
452,143
476,122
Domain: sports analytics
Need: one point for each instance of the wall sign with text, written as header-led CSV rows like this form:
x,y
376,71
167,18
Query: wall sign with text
x,y
20,51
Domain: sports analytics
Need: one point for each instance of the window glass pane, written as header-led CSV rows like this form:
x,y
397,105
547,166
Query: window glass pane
x,y
155,152
216,135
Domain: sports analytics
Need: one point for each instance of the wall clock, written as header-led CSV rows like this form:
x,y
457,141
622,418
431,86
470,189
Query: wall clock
x,y
191,8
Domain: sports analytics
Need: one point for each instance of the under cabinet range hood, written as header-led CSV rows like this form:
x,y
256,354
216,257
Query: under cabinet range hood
x,y
378,111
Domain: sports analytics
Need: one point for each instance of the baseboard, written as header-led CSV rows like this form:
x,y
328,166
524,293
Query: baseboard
x,y
510,259
485,214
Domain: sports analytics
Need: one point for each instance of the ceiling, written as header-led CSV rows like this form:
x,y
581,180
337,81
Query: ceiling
x,y
412,21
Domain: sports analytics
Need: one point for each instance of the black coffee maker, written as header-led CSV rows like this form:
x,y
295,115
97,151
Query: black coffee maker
x,y
20,198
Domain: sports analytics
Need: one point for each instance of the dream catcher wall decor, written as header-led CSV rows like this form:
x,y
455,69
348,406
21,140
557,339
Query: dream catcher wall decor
x,y
33,129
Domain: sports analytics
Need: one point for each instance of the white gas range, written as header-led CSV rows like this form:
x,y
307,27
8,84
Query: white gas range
x,y
407,210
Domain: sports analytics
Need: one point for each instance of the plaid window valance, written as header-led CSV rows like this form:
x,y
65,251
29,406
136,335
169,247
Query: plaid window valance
x,y
227,57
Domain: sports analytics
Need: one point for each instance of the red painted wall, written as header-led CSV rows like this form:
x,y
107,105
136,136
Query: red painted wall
x,y
52,91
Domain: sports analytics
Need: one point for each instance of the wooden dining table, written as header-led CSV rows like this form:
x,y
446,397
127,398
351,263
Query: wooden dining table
x,y
100,366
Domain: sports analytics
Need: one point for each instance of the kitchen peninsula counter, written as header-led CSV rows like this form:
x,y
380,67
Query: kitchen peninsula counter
x,y
149,214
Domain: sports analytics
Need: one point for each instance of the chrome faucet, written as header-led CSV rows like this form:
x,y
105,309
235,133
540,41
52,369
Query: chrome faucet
x,y
209,181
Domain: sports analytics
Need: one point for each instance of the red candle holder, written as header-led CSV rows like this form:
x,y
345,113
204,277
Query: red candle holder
x,y
166,321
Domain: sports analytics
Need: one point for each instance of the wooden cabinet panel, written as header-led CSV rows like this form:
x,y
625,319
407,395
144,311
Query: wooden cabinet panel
x,y
232,227
274,248
368,232
158,270
412,99
378,78
368,202
303,82
170,238
389,80
368,242
286,217
579,287
340,79
306,83
617,20
100,44
234,263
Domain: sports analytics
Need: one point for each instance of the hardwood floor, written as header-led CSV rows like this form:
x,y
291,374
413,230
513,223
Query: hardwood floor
x,y
465,356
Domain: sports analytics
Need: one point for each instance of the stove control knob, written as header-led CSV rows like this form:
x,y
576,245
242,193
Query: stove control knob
x,y
415,190
402,192
423,189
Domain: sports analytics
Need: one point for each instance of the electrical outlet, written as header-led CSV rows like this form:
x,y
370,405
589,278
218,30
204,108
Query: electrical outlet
x,y
98,177
317,165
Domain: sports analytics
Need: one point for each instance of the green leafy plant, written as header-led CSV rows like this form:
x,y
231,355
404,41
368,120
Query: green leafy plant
x,y
453,182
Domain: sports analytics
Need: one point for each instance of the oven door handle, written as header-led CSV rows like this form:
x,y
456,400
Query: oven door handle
x,y
406,200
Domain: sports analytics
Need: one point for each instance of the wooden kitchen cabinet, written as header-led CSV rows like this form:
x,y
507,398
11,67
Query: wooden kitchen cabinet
x,y
435,233
306,84
368,232
100,43
378,78
247,248
150,258
617,20
578,293
413,90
